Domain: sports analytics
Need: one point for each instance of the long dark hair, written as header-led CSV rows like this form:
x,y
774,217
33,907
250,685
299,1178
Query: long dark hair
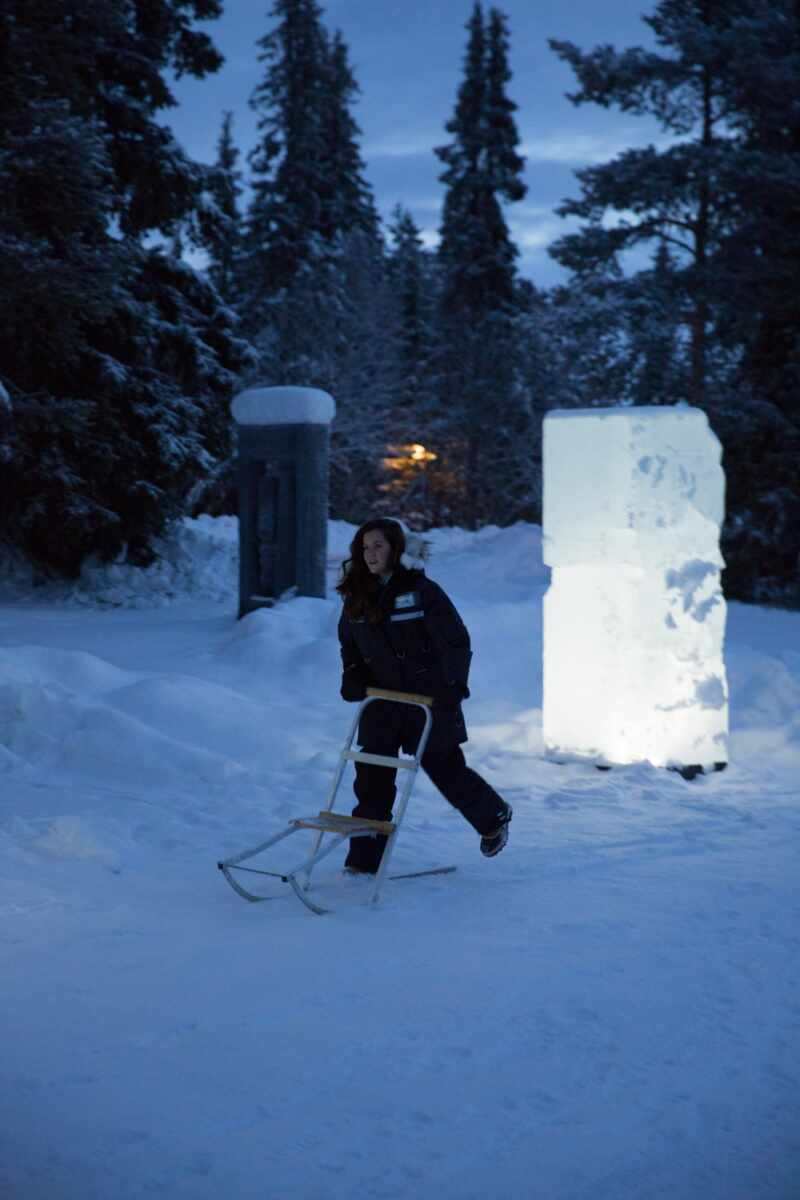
x,y
358,585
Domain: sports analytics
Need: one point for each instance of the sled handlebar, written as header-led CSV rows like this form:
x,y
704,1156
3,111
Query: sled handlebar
x,y
403,697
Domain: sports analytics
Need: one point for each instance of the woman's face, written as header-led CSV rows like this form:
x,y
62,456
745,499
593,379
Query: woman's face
x,y
377,552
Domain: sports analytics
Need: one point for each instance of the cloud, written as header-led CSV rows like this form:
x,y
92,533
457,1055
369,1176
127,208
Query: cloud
x,y
538,238
571,148
586,149
565,147
429,204
404,144
536,225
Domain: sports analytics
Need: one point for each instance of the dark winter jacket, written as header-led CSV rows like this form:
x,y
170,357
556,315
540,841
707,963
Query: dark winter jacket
x,y
421,645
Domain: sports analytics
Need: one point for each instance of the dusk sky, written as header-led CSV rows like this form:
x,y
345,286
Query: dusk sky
x,y
407,56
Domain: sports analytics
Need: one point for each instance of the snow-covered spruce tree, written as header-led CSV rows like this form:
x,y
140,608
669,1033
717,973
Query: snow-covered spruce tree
x,y
657,371
365,349
117,357
760,308
669,194
724,197
347,200
224,226
313,253
545,368
618,339
763,88
308,187
485,409
217,227
412,273
584,326
415,414
285,214
366,377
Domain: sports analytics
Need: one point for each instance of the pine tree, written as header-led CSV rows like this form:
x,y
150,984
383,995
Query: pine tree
x,y
671,192
347,200
288,162
504,166
365,375
725,198
223,220
482,167
414,420
308,195
318,305
477,367
584,328
412,275
760,263
656,372
117,359
761,304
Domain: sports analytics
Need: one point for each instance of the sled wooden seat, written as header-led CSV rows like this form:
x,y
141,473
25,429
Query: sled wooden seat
x,y
329,822
380,760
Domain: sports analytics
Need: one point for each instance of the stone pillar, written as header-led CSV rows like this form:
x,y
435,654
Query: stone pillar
x,y
283,437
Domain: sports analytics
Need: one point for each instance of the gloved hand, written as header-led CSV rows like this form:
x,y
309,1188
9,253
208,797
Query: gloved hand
x,y
449,695
354,685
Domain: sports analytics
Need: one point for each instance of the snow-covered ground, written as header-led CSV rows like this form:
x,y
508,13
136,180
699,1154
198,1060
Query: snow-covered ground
x,y
609,1010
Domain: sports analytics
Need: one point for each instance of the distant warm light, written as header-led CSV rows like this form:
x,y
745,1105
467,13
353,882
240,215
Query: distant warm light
x,y
405,456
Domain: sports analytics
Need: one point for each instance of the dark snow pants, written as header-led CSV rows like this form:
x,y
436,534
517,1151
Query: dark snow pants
x,y
392,727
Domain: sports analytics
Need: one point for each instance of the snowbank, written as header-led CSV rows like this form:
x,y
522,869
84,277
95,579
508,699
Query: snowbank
x,y
605,1011
197,559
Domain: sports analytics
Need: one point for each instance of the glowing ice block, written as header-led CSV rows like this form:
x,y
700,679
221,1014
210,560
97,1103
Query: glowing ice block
x,y
634,618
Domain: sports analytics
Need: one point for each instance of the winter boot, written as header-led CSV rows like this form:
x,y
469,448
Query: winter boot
x,y
492,843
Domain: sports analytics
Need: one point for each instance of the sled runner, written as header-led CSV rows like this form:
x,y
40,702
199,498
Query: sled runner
x,y
337,827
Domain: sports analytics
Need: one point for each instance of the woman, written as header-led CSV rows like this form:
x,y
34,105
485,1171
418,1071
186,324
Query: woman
x,y
399,630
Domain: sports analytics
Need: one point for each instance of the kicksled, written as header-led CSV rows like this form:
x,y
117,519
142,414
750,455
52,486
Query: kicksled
x,y
329,828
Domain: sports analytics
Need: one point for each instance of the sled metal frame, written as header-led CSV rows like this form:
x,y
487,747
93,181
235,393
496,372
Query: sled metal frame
x,y
338,825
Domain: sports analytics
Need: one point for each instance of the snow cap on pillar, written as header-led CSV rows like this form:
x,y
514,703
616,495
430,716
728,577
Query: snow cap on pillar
x,y
283,406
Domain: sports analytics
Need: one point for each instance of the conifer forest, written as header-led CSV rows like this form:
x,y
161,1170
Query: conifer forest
x,y
140,290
